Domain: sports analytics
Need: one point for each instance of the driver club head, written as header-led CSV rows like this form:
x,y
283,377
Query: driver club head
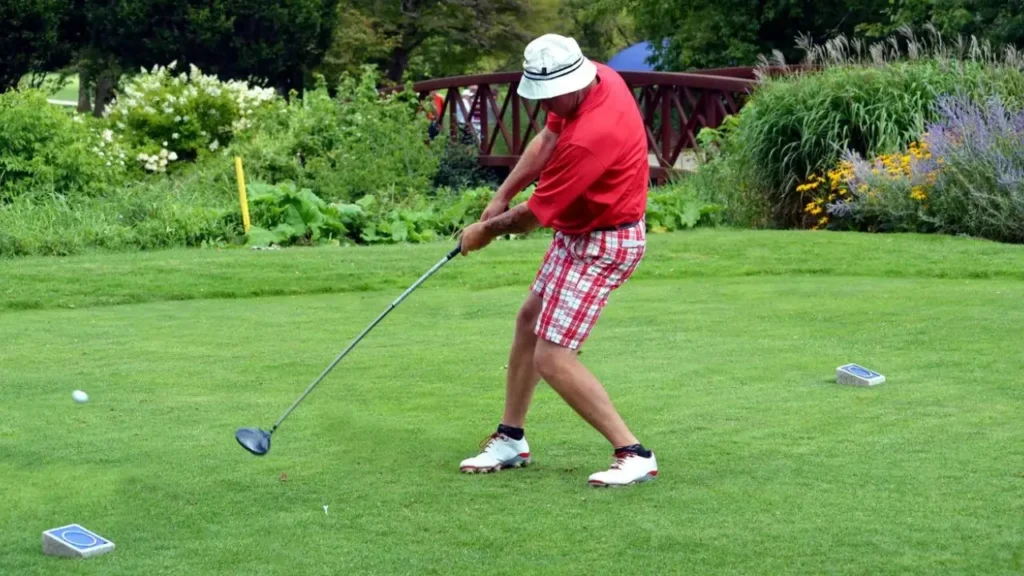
x,y
254,440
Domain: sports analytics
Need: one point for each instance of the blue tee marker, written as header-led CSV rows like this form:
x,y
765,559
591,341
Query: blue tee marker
x,y
855,375
74,541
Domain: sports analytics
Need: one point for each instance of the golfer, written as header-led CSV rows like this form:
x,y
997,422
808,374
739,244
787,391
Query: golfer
x,y
591,158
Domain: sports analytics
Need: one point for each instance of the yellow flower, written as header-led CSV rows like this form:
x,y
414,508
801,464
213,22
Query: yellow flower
x,y
918,193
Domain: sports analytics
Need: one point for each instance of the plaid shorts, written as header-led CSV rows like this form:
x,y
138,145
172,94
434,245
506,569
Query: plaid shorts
x,y
578,274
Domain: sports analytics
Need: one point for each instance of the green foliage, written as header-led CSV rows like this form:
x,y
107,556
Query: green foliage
x,y
163,117
345,147
678,205
30,40
276,42
451,35
998,22
702,34
142,217
458,166
601,27
45,149
292,216
796,126
289,216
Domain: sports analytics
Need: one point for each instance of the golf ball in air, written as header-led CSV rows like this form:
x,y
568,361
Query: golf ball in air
x,y
80,396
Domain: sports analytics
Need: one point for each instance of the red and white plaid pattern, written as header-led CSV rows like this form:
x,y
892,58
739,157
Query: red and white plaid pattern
x,y
578,274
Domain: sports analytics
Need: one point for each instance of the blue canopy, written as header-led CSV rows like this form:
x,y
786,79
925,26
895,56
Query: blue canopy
x,y
633,58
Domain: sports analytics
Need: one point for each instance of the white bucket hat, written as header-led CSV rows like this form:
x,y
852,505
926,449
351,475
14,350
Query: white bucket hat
x,y
554,65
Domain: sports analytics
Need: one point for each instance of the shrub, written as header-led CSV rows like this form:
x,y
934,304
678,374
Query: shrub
x,y
140,218
458,166
678,206
796,126
345,147
978,152
887,194
290,216
720,179
162,117
46,149
965,176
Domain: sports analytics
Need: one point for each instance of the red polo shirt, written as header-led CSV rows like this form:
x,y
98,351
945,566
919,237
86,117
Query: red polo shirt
x,y
597,175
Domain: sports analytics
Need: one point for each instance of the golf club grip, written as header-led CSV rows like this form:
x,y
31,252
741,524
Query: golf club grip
x,y
455,252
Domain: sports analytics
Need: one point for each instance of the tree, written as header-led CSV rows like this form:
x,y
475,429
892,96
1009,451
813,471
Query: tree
x,y
30,39
701,34
447,35
601,27
1000,22
271,42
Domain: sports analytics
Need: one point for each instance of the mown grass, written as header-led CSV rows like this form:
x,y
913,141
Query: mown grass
x,y
721,356
120,278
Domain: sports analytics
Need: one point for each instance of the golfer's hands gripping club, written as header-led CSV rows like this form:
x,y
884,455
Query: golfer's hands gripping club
x,y
474,237
495,208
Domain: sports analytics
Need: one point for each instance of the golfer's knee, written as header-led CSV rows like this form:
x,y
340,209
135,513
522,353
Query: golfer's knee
x,y
526,320
547,360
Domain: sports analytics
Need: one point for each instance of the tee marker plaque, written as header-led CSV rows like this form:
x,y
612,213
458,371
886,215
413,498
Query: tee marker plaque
x,y
74,541
854,375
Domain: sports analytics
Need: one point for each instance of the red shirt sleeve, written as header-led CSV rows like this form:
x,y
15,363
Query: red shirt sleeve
x,y
570,172
554,123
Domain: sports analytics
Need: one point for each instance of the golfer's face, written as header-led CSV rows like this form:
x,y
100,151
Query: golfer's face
x,y
560,105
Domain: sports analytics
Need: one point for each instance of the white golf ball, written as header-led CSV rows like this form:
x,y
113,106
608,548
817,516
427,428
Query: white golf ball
x,y
80,396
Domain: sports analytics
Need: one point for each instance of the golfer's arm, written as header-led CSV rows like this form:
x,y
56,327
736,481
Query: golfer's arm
x,y
530,165
518,220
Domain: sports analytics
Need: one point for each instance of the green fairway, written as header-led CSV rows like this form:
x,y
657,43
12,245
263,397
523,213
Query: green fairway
x,y
721,355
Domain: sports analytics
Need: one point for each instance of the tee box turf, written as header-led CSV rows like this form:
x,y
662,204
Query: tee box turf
x,y
74,541
854,375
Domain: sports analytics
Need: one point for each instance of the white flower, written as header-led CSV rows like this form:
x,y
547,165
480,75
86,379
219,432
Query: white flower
x,y
177,118
108,164
185,118
172,65
108,135
163,153
142,157
172,156
174,136
168,110
165,144
214,145
121,125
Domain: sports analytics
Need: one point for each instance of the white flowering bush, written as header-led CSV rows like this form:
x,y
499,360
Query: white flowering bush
x,y
163,117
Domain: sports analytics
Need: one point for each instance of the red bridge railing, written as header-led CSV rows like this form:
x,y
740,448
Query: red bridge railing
x,y
674,107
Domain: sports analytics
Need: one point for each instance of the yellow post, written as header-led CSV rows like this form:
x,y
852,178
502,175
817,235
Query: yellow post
x,y
242,200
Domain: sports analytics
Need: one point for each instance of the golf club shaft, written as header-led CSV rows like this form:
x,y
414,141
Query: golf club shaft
x,y
394,304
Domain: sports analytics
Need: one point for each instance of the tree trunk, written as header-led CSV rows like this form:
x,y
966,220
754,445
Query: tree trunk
x,y
84,105
399,62
104,88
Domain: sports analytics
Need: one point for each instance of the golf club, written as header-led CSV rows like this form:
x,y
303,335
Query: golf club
x,y
257,440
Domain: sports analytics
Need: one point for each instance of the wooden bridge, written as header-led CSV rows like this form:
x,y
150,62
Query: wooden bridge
x,y
674,106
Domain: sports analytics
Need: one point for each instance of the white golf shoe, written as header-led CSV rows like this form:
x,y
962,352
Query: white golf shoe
x,y
628,468
497,453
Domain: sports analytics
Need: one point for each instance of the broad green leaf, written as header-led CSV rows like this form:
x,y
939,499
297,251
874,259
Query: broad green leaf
x,y
260,237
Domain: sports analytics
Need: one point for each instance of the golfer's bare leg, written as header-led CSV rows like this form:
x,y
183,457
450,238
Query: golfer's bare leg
x,y
562,370
522,378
